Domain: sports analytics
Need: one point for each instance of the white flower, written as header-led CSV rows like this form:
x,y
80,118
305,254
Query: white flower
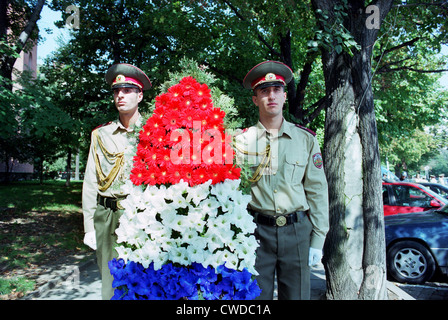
x,y
123,252
175,221
156,231
230,259
213,239
196,254
176,190
198,192
226,205
147,217
168,244
241,199
243,220
179,200
199,243
138,238
125,231
130,207
136,256
209,206
179,255
188,235
220,192
222,222
149,253
196,218
154,197
167,224
160,260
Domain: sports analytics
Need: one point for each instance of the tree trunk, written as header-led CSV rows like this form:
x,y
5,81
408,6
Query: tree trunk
x,y
69,168
354,251
7,62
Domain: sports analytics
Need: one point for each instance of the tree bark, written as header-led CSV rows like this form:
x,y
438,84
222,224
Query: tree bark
x,y
7,62
354,251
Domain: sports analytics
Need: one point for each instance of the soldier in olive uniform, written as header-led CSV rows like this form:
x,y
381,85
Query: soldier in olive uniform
x,y
289,188
101,192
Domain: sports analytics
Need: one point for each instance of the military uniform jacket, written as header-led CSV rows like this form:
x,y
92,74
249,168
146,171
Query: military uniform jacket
x,y
105,170
293,179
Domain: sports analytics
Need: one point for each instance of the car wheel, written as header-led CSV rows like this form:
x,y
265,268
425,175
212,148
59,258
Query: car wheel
x,y
410,262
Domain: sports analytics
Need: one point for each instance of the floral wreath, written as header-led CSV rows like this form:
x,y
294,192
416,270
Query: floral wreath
x,y
185,232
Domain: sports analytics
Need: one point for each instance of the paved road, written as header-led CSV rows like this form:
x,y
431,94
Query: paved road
x,y
84,283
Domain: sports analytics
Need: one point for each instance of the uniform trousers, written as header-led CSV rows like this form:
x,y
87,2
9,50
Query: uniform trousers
x,y
106,222
284,251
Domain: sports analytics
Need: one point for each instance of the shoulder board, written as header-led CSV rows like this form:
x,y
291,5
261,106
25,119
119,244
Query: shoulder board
x,y
306,129
102,125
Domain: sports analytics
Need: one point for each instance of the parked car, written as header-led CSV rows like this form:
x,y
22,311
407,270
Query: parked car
x,y
405,197
417,245
438,188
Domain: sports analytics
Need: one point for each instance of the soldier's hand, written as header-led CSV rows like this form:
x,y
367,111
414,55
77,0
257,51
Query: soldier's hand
x,y
314,257
90,239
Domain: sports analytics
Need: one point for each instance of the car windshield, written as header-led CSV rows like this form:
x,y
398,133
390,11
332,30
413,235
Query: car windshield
x,y
444,209
434,194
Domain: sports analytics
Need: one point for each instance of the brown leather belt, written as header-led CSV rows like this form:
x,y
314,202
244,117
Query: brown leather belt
x,y
277,221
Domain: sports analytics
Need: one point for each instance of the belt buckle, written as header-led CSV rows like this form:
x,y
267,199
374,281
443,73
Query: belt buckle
x,y
280,221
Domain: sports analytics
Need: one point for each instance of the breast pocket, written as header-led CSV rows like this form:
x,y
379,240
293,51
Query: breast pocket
x,y
295,168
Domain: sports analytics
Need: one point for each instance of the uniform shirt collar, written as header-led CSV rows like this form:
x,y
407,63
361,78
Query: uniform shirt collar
x,y
285,129
120,126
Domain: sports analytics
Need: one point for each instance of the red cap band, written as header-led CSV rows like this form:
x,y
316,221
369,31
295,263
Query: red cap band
x,y
270,77
122,79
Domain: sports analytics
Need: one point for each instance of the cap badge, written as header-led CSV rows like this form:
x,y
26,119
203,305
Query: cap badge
x,y
270,76
120,78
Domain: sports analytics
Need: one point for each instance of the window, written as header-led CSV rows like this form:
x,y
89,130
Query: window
x,y
410,197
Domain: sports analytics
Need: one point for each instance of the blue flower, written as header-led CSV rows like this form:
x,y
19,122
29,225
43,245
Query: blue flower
x,y
242,280
117,268
177,282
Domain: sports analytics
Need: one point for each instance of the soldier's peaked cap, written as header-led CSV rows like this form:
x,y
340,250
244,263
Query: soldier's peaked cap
x,y
122,75
268,73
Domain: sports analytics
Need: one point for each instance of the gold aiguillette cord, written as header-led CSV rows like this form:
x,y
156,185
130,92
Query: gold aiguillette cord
x,y
263,164
116,158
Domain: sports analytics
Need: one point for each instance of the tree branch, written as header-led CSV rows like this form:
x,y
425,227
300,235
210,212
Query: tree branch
x,y
404,44
318,107
30,26
411,69
296,103
235,10
441,3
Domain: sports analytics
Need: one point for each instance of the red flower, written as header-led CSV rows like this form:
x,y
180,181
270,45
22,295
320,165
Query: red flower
x,y
232,172
202,92
163,101
175,94
184,139
171,120
188,82
187,174
163,172
216,119
138,173
173,175
187,117
204,104
152,160
152,176
143,149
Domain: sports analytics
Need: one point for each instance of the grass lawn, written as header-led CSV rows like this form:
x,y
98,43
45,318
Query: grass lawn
x,y
39,224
